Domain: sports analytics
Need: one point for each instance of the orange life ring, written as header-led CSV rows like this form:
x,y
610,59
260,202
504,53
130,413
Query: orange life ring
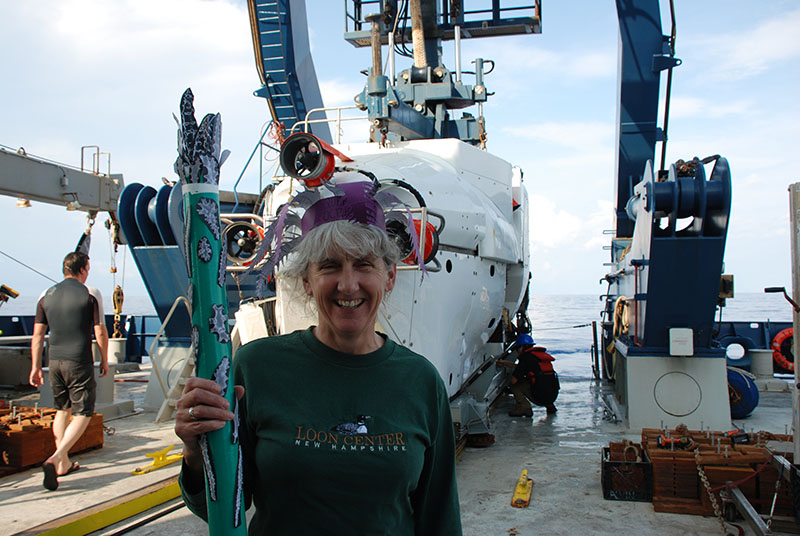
x,y
777,353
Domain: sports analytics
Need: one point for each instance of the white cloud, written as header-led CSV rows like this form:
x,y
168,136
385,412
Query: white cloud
x,y
553,227
599,219
338,92
687,106
582,135
747,53
135,31
591,65
530,56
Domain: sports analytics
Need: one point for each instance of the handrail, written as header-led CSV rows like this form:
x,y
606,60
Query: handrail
x,y
20,151
230,217
247,164
338,121
158,336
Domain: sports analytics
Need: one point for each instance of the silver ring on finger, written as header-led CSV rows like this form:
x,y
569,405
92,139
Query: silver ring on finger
x,y
192,415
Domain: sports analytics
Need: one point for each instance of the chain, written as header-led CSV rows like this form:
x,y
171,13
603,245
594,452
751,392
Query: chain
x,y
774,498
761,437
711,497
235,277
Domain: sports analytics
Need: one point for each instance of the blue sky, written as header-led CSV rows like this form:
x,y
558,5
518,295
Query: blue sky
x,y
83,72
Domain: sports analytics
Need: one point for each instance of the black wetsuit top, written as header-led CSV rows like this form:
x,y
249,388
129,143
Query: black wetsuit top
x,y
71,313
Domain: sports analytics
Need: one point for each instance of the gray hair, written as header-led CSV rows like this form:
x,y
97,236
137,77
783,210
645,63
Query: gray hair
x,y
356,240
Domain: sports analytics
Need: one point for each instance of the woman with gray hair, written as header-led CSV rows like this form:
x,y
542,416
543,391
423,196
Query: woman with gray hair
x,y
343,430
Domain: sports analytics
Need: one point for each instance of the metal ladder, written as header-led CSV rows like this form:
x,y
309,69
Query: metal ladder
x,y
276,62
289,81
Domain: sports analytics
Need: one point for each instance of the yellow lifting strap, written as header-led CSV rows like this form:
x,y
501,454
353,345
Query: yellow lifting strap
x,y
160,459
522,493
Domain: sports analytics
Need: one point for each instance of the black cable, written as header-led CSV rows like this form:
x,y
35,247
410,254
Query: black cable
x,y
28,267
673,36
400,47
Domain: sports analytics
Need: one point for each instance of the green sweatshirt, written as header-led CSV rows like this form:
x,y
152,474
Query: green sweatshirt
x,y
344,444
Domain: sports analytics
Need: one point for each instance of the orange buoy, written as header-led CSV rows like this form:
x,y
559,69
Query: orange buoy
x,y
782,350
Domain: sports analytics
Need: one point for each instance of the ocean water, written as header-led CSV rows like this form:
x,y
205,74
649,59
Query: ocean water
x,y
132,305
561,323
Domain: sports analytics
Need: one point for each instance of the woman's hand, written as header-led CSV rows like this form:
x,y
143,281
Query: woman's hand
x,y
200,409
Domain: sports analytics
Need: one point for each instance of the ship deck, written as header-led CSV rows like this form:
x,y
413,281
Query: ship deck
x,y
561,452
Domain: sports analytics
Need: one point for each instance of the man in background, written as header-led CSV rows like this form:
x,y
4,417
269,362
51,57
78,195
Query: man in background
x,y
72,314
534,379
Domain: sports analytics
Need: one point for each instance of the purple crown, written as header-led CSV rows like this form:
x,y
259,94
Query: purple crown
x,y
359,201
357,204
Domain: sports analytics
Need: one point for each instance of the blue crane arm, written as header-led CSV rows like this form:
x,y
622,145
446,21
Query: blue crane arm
x,y
644,54
283,59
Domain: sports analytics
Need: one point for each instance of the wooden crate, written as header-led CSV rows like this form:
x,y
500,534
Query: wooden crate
x,y
30,442
677,487
676,484
710,456
677,505
718,475
674,474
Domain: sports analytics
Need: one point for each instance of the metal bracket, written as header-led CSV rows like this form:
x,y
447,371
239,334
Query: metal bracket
x,y
663,62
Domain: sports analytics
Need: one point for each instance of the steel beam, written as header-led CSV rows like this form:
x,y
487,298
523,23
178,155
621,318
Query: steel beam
x,y
37,179
749,513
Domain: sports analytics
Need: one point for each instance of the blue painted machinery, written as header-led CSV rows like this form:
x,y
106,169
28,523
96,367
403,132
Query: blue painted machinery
x,y
739,338
671,268
152,227
645,54
667,253
417,103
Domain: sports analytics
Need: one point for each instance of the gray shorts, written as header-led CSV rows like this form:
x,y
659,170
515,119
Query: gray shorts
x,y
73,386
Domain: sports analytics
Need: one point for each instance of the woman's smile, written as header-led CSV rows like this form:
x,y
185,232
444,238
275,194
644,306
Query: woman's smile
x,y
348,292
349,304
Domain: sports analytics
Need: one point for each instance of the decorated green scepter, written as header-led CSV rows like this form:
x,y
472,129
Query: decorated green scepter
x,y
198,164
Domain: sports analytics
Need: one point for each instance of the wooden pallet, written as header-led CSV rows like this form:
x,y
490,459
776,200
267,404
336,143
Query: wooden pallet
x,y
718,475
678,505
27,439
677,487
674,474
